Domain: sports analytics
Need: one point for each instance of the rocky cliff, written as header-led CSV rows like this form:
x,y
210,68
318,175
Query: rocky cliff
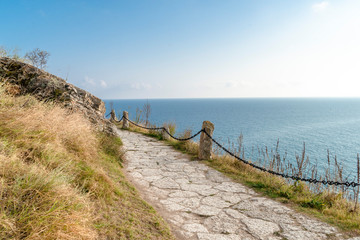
x,y
27,79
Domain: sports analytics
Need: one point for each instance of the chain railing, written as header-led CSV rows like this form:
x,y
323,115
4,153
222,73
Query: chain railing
x,y
296,178
293,177
164,129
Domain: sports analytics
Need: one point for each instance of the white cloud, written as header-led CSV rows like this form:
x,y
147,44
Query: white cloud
x,y
318,7
89,81
103,83
141,85
231,84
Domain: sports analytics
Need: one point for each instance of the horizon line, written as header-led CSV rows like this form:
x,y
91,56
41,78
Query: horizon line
x,y
180,98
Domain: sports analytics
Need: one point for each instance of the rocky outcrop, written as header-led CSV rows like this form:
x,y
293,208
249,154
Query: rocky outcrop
x,y
27,79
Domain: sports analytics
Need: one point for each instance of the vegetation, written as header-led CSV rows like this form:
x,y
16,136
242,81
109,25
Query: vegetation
x,y
147,112
61,179
10,53
328,204
36,57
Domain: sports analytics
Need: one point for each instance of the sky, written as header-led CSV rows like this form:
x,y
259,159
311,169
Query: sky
x,y
147,49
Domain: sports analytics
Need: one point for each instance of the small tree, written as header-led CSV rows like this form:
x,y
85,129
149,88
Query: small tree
x,y
10,53
38,57
147,112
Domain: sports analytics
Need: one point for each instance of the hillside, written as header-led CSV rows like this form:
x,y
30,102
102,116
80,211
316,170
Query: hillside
x,y
27,79
60,177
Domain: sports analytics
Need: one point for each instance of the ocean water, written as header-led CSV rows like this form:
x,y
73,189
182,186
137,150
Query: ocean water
x,y
322,124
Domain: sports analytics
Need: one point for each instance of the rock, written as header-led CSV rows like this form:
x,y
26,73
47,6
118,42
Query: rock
x,y
165,134
223,224
28,79
195,228
207,211
212,236
205,141
125,120
300,235
166,183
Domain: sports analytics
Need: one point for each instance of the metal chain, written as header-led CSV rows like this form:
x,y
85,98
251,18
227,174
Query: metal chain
x,y
149,128
296,178
183,139
120,119
162,128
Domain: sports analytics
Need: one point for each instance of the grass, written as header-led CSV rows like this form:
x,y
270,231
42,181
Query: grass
x,y
326,205
61,179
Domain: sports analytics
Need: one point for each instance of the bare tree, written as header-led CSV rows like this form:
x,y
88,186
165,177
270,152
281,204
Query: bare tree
x,y
10,53
38,57
147,112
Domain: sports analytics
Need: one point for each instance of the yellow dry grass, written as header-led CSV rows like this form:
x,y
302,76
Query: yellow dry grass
x,y
61,179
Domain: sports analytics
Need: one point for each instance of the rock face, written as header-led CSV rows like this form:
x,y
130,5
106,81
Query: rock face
x,y
28,79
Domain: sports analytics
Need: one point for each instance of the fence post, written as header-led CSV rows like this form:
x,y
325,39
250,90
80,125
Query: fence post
x,y
205,141
164,134
125,120
112,115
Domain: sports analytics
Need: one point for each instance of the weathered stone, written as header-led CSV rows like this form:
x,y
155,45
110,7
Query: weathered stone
x,y
195,228
183,194
205,141
215,176
231,187
27,79
165,134
171,206
301,235
215,202
233,198
207,211
212,236
315,226
166,183
194,187
125,120
223,223
187,202
113,116
260,228
149,172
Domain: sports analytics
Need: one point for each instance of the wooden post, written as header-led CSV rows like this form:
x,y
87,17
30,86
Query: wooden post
x,y
205,141
164,134
125,120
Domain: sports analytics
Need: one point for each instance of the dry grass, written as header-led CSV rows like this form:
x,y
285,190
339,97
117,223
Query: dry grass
x,y
60,179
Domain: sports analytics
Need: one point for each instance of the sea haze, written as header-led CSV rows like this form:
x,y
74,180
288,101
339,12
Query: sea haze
x,y
322,123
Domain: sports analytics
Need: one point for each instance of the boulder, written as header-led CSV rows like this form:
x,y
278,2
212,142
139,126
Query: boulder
x,y
47,87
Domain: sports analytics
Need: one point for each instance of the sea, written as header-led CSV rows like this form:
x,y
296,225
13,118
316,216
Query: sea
x,y
322,124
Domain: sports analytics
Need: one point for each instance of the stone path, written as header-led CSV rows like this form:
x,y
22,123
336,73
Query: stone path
x,y
198,202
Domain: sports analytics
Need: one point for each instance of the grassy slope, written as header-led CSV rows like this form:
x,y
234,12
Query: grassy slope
x,y
327,206
60,179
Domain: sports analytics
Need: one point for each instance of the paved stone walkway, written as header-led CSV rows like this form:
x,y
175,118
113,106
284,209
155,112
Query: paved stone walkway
x,y
198,202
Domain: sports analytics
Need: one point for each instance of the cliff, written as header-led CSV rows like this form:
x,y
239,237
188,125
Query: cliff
x,y
27,79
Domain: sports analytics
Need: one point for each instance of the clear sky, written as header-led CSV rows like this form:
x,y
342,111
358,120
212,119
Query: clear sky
x,y
193,48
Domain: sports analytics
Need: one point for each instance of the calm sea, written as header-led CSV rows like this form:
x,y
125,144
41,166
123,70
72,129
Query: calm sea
x,y
322,124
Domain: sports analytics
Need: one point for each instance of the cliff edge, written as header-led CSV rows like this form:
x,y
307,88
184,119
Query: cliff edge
x,y
27,79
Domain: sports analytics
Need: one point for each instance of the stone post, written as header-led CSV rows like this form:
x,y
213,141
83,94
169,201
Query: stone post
x,y
125,120
164,134
112,115
205,141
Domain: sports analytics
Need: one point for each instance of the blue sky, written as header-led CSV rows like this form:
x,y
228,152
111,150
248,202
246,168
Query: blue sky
x,y
193,48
